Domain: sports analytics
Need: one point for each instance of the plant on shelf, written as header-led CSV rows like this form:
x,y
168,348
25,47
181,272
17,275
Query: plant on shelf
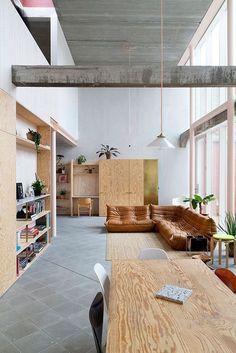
x,y
34,136
81,159
62,194
108,151
229,227
38,185
199,201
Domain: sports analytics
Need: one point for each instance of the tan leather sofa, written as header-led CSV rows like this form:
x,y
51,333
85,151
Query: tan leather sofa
x,y
174,223
129,219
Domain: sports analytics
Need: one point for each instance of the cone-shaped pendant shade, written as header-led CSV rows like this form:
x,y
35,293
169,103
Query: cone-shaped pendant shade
x,y
161,142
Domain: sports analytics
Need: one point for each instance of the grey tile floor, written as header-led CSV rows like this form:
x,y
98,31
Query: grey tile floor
x,y
46,310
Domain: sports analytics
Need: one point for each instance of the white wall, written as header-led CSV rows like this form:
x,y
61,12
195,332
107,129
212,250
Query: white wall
x,y
18,47
104,118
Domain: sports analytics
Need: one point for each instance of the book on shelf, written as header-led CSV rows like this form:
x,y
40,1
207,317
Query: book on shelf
x,y
33,232
30,211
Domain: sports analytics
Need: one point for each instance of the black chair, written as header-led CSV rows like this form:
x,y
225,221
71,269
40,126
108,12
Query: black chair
x,y
96,320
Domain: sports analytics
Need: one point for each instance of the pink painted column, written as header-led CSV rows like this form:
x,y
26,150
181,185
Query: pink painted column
x,y
192,136
37,3
231,111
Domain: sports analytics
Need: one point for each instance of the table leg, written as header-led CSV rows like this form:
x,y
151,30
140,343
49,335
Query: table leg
x,y
220,251
227,253
212,249
234,252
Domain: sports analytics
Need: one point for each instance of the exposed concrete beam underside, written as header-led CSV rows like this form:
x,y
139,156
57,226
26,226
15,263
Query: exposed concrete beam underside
x,y
114,76
104,32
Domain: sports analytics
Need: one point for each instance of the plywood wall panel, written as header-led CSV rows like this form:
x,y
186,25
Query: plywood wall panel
x,y
7,192
136,182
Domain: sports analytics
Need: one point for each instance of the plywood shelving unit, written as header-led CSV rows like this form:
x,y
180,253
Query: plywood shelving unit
x,y
84,183
63,204
43,171
7,191
30,144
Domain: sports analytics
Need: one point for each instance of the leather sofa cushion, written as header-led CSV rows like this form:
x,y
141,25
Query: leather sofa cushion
x,y
204,225
172,213
128,219
129,214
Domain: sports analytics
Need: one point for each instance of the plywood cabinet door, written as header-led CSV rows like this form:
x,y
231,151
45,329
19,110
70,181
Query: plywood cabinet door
x,y
113,184
136,182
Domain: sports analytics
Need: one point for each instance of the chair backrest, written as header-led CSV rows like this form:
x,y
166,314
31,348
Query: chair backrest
x,y
104,282
153,253
85,201
227,277
96,320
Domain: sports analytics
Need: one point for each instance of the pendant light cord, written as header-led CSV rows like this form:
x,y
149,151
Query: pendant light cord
x,y
162,62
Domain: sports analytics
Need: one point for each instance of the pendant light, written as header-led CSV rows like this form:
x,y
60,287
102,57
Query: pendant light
x,y
161,141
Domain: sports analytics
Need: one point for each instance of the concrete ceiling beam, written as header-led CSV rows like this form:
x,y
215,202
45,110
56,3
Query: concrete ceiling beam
x,y
121,76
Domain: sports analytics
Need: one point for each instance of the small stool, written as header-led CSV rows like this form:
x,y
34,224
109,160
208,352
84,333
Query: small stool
x,y
225,238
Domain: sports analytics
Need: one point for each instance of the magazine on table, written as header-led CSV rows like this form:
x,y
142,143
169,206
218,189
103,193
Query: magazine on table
x,y
173,293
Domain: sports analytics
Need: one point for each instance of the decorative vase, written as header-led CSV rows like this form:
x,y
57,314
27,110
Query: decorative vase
x,y
37,192
29,136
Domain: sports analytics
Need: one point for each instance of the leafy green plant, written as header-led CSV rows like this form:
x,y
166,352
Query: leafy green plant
x,y
36,137
198,201
81,159
229,226
108,151
38,185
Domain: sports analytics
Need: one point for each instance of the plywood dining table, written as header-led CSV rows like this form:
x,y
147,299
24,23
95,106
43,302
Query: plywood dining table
x,y
140,323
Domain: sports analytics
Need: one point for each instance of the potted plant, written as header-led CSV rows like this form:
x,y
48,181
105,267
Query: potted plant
x,y
198,201
81,159
63,194
34,136
229,227
108,151
38,185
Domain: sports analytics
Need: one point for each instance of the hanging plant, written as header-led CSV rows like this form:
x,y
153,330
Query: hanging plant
x,y
34,136
108,151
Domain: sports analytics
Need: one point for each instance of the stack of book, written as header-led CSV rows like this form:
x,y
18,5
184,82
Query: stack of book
x,y
32,232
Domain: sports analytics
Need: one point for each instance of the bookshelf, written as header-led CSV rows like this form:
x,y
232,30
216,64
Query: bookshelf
x,y
33,233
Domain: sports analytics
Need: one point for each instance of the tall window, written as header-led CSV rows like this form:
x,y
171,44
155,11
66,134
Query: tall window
x,y
212,51
211,152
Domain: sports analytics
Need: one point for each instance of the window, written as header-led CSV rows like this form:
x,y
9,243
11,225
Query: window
x,y
210,168
212,50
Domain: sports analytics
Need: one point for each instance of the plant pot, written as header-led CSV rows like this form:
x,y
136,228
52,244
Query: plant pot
x,y
231,249
29,136
37,192
108,155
